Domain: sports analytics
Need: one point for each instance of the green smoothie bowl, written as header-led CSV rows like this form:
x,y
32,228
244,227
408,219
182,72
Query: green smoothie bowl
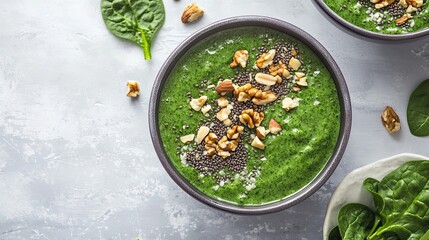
x,y
380,19
250,115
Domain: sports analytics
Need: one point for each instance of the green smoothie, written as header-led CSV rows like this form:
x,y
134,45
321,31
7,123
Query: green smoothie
x,y
291,158
398,17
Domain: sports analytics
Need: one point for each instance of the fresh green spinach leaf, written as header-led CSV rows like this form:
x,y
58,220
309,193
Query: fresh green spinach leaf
x,y
335,234
355,221
418,110
134,20
405,207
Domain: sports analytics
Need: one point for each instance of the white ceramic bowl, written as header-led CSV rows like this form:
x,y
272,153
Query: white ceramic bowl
x,y
351,190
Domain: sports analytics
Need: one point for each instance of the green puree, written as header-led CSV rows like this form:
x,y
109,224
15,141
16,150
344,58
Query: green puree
x,y
293,157
358,16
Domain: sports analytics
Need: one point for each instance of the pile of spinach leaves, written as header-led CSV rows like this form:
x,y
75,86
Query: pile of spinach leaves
x,y
401,201
134,20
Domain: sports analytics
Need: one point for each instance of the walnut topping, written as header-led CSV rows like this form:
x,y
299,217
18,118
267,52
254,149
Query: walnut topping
x,y
289,103
382,3
133,89
403,19
240,59
266,59
224,86
192,13
265,79
390,120
294,63
198,103
266,97
233,132
211,144
416,3
251,118
279,69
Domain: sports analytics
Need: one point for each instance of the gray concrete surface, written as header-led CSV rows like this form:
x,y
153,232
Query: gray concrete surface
x,y
76,159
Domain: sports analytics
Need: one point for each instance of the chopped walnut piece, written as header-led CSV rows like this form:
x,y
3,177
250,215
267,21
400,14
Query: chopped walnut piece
x,y
251,118
390,120
266,59
266,97
383,3
403,19
133,89
240,59
192,13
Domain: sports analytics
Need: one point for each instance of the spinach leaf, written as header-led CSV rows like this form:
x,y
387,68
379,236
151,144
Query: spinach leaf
x,y
335,234
418,110
405,202
134,20
355,221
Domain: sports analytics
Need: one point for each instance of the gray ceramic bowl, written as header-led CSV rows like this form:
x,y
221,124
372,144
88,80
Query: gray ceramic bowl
x,y
293,31
333,16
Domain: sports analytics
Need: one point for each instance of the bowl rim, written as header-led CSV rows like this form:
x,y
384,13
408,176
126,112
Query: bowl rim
x,y
377,169
300,35
366,33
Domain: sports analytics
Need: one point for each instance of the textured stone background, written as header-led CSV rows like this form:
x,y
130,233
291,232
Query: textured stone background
x,y
76,159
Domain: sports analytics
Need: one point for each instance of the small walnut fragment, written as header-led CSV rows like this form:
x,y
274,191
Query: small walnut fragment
x,y
266,97
266,59
240,59
390,120
192,13
403,19
133,89
224,86
383,3
251,118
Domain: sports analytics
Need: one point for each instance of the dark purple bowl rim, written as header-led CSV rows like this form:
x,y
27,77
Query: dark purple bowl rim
x,y
291,30
366,33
